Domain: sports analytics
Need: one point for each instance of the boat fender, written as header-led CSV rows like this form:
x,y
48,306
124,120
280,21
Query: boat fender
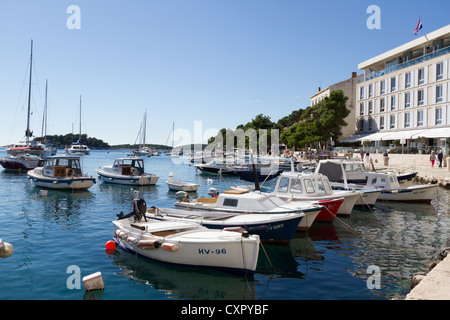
x,y
169,247
148,244
234,229
121,234
132,239
213,192
181,196
6,249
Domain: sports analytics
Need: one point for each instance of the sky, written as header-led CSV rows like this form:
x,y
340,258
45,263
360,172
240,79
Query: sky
x,y
198,65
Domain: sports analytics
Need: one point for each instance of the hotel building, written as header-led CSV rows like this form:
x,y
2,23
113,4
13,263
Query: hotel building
x,y
404,94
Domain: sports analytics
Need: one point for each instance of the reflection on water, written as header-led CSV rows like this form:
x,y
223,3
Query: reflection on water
x,y
180,282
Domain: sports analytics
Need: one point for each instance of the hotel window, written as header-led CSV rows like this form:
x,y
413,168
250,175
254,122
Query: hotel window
x,y
407,99
420,99
361,93
370,107
370,90
361,109
370,124
439,94
383,87
361,125
438,115
393,103
421,76
420,118
408,80
381,123
392,124
440,71
382,105
393,84
407,120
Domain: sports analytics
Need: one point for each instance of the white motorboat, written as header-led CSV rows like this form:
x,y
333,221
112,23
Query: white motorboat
x,y
77,149
61,172
187,243
242,201
21,162
127,171
276,228
300,186
178,185
391,190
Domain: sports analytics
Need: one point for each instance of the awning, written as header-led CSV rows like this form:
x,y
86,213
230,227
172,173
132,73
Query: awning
x,y
433,133
405,134
377,136
354,138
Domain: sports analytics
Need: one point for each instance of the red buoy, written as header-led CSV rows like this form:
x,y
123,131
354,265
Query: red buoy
x,y
110,245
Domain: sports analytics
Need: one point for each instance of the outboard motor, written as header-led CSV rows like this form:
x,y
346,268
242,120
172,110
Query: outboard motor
x,y
139,210
181,196
213,192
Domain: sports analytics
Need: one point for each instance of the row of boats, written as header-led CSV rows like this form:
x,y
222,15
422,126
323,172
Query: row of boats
x,y
224,230
193,232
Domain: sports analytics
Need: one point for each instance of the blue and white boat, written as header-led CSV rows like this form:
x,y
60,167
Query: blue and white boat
x,y
274,228
61,172
127,171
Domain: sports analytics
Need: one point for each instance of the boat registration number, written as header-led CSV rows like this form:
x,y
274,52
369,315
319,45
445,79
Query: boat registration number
x,y
212,251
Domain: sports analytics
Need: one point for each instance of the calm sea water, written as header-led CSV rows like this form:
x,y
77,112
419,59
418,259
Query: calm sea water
x,y
53,234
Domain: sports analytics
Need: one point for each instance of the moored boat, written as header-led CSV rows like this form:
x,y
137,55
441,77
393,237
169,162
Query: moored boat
x,y
186,243
271,228
127,171
178,185
61,172
21,162
242,201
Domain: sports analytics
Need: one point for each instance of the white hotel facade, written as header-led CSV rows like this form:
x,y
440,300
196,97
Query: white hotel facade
x,y
404,94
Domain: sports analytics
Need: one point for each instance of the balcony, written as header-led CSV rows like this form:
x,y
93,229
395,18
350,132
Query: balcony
x,y
406,64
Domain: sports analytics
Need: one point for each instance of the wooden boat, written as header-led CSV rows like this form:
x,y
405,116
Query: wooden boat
x,y
187,243
242,201
271,228
127,171
21,162
178,185
61,172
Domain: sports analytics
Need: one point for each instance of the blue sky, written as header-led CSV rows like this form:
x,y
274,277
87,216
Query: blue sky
x,y
220,62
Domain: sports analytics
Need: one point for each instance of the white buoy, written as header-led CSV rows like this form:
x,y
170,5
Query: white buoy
x,y
93,282
6,249
170,174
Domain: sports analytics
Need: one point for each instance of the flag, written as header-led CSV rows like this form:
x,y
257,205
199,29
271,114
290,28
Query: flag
x,y
419,26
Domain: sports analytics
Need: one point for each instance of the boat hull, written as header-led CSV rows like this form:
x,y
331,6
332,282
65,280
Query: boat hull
x,y
67,183
367,197
328,214
19,165
217,249
182,186
271,228
144,180
412,194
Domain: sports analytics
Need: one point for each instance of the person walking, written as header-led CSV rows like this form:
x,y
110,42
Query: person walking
x,y
432,158
440,158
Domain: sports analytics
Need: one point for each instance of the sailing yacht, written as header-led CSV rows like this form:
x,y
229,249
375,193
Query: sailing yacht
x,y
76,148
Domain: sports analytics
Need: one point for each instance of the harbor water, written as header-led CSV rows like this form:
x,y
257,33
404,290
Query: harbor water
x,y
60,237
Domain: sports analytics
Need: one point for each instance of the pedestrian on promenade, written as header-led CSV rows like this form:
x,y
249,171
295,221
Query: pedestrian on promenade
x,y
440,157
362,155
432,158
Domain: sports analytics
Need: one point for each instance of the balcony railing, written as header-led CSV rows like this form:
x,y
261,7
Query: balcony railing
x,y
406,64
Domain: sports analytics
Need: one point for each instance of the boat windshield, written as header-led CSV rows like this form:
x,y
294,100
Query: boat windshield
x,y
354,167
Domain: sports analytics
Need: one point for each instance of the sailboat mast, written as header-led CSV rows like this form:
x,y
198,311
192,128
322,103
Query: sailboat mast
x,y
28,132
79,139
44,118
